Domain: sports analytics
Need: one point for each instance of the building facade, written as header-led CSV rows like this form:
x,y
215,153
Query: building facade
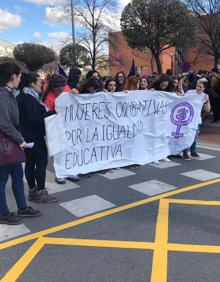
x,y
121,56
6,48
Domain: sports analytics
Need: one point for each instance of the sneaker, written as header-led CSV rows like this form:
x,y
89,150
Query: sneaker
x,y
186,158
42,196
74,178
10,219
195,155
29,212
156,162
166,160
32,194
60,180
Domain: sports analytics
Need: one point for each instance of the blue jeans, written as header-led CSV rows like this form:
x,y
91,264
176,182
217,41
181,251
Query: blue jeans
x,y
192,149
16,172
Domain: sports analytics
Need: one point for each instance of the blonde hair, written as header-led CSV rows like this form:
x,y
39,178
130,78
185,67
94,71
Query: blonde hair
x,y
202,80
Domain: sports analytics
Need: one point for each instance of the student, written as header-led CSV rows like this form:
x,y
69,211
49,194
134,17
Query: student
x,y
163,83
120,79
110,85
96,75
56,86
74,78
89,86
200,87
132,83
32,113
176,86
10,75
143,83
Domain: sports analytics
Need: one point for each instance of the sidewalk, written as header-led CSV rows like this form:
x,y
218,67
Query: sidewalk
x,y
210,135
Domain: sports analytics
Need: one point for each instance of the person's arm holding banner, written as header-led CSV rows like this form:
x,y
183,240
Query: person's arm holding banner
x,y
207,106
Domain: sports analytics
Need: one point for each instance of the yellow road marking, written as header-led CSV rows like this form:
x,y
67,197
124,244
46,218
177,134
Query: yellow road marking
x,y
23,262
159,265
193,248
103,214
100,243
160,246
193,202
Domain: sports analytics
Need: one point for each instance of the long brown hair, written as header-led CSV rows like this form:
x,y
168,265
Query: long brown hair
x,y
131,83
55,81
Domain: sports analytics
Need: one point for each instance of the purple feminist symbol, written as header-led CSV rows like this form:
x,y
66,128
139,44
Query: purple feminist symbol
x,y
181,115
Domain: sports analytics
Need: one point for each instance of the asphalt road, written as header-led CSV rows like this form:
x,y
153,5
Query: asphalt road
x,y
156,223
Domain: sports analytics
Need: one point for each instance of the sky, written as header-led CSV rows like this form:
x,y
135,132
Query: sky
x,y
38,21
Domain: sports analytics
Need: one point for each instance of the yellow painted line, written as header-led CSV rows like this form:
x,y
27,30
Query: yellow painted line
x,y
103,214
99,243
159,264
193,248
23,262
193,202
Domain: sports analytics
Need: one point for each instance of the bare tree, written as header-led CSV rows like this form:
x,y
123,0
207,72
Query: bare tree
x,y
208,14
96,18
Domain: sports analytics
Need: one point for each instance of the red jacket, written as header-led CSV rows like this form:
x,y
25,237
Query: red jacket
x,y
51,97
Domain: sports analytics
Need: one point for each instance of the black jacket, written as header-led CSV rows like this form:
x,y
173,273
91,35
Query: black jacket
x,y
32,115
9,116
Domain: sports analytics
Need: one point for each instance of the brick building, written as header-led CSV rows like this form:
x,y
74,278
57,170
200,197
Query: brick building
x,y
121,58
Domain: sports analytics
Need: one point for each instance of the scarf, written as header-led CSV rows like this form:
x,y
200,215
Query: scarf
x,y
34,94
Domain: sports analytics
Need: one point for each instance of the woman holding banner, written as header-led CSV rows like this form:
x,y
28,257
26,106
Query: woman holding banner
x,y
200,88
110,85
56,86
161,84
32,113
120,79
143,83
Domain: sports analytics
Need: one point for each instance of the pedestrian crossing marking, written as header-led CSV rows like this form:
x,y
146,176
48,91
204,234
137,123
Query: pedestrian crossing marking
x,y
201,174
117,174
11,231
204,157
87,205
152,187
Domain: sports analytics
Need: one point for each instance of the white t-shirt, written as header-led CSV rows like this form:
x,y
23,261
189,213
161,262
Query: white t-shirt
x,y
201,96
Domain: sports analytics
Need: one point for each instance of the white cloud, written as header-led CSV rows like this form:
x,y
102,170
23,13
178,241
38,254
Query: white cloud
x,y
9,20
56,15
123,3
45,2
60,15
111,19
57,40
37,36
59,35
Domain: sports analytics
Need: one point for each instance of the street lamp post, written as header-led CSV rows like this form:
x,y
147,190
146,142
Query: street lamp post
x,y
73,23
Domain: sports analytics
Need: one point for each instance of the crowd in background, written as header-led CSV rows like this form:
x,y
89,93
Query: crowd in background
x,y
36,100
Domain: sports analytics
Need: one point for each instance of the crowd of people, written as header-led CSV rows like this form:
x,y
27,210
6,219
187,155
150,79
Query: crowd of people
x,y
22,114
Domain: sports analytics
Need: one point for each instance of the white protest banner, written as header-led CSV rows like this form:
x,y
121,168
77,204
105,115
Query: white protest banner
x,y
107,130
